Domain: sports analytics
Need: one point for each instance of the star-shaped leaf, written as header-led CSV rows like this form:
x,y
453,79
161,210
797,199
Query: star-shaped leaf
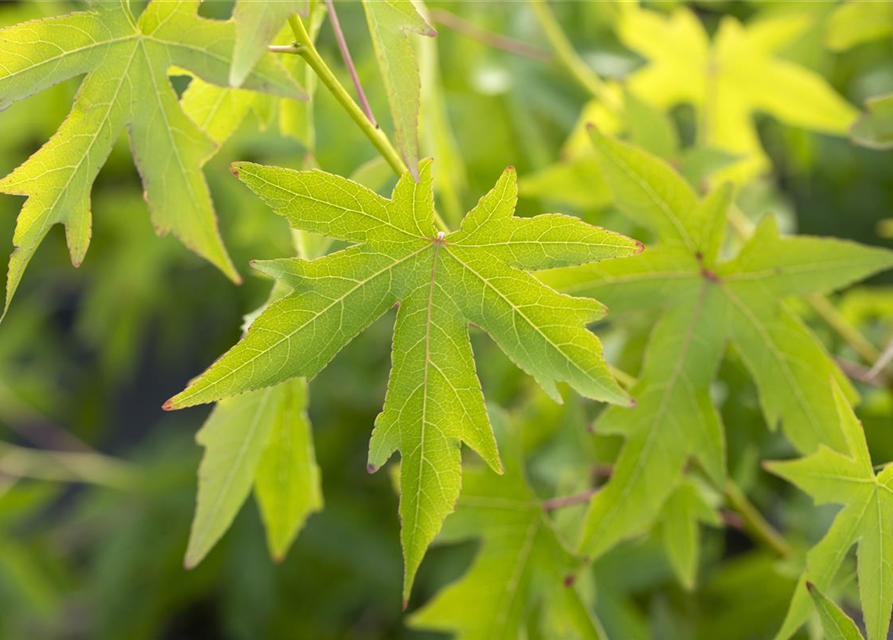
x,y
126,62
706,303
390,22
847,477
729,79
443,282
522,562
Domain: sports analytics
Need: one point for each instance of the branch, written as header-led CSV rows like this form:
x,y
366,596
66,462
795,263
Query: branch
x,y
569,58
754,522
569,501
348,61
488,38
305,47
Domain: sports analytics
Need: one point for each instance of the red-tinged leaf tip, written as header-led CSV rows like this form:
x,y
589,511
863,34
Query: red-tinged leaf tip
x,y
169,406
569,580
278,558
590,127
511,168
188,564
405,604
633,403
640,247
810,586
234,169
371,468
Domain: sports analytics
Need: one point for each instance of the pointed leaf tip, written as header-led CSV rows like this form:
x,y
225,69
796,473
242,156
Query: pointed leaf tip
x,y
371,468
234,168
169,405
640,247
569,580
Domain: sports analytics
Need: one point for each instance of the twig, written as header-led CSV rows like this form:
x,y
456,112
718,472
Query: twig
x,y
569,501
882,361
488,38
376,136
754,522
348,61
860,373
570,59
284,48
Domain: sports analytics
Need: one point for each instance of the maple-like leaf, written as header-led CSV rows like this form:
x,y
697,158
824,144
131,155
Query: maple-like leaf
x,y
257,23
262,440
730,78
706,303
443,282
522,562
836,624
390,22
846,476
127,62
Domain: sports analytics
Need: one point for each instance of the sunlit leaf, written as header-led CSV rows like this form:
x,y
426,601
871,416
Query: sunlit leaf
x,y
443,282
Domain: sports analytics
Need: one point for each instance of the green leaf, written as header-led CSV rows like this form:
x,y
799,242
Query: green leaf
x,y
287,482
856,22
866,520
259,439
837,624
443,282
522,562
874,129
127,63
742,75
257,23
680,531
706,303
389,22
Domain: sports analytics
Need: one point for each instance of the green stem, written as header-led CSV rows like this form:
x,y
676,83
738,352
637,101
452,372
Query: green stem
x,y
314,60
834,319
307,50
754,521
569,58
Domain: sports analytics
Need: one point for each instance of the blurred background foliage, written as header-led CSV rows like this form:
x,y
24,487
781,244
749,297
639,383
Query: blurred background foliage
x,y
92,538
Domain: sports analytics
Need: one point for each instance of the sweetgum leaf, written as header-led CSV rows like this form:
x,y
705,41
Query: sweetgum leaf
x,y
846,477
730,78
126,62
522,562
705,305
443,282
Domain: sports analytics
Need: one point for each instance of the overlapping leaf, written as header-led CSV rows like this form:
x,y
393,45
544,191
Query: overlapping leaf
x,y
262,440
522,562
856,22
837,624
847,477
443,282
729,79
126,62
257,23
706,303
390,23
874,129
